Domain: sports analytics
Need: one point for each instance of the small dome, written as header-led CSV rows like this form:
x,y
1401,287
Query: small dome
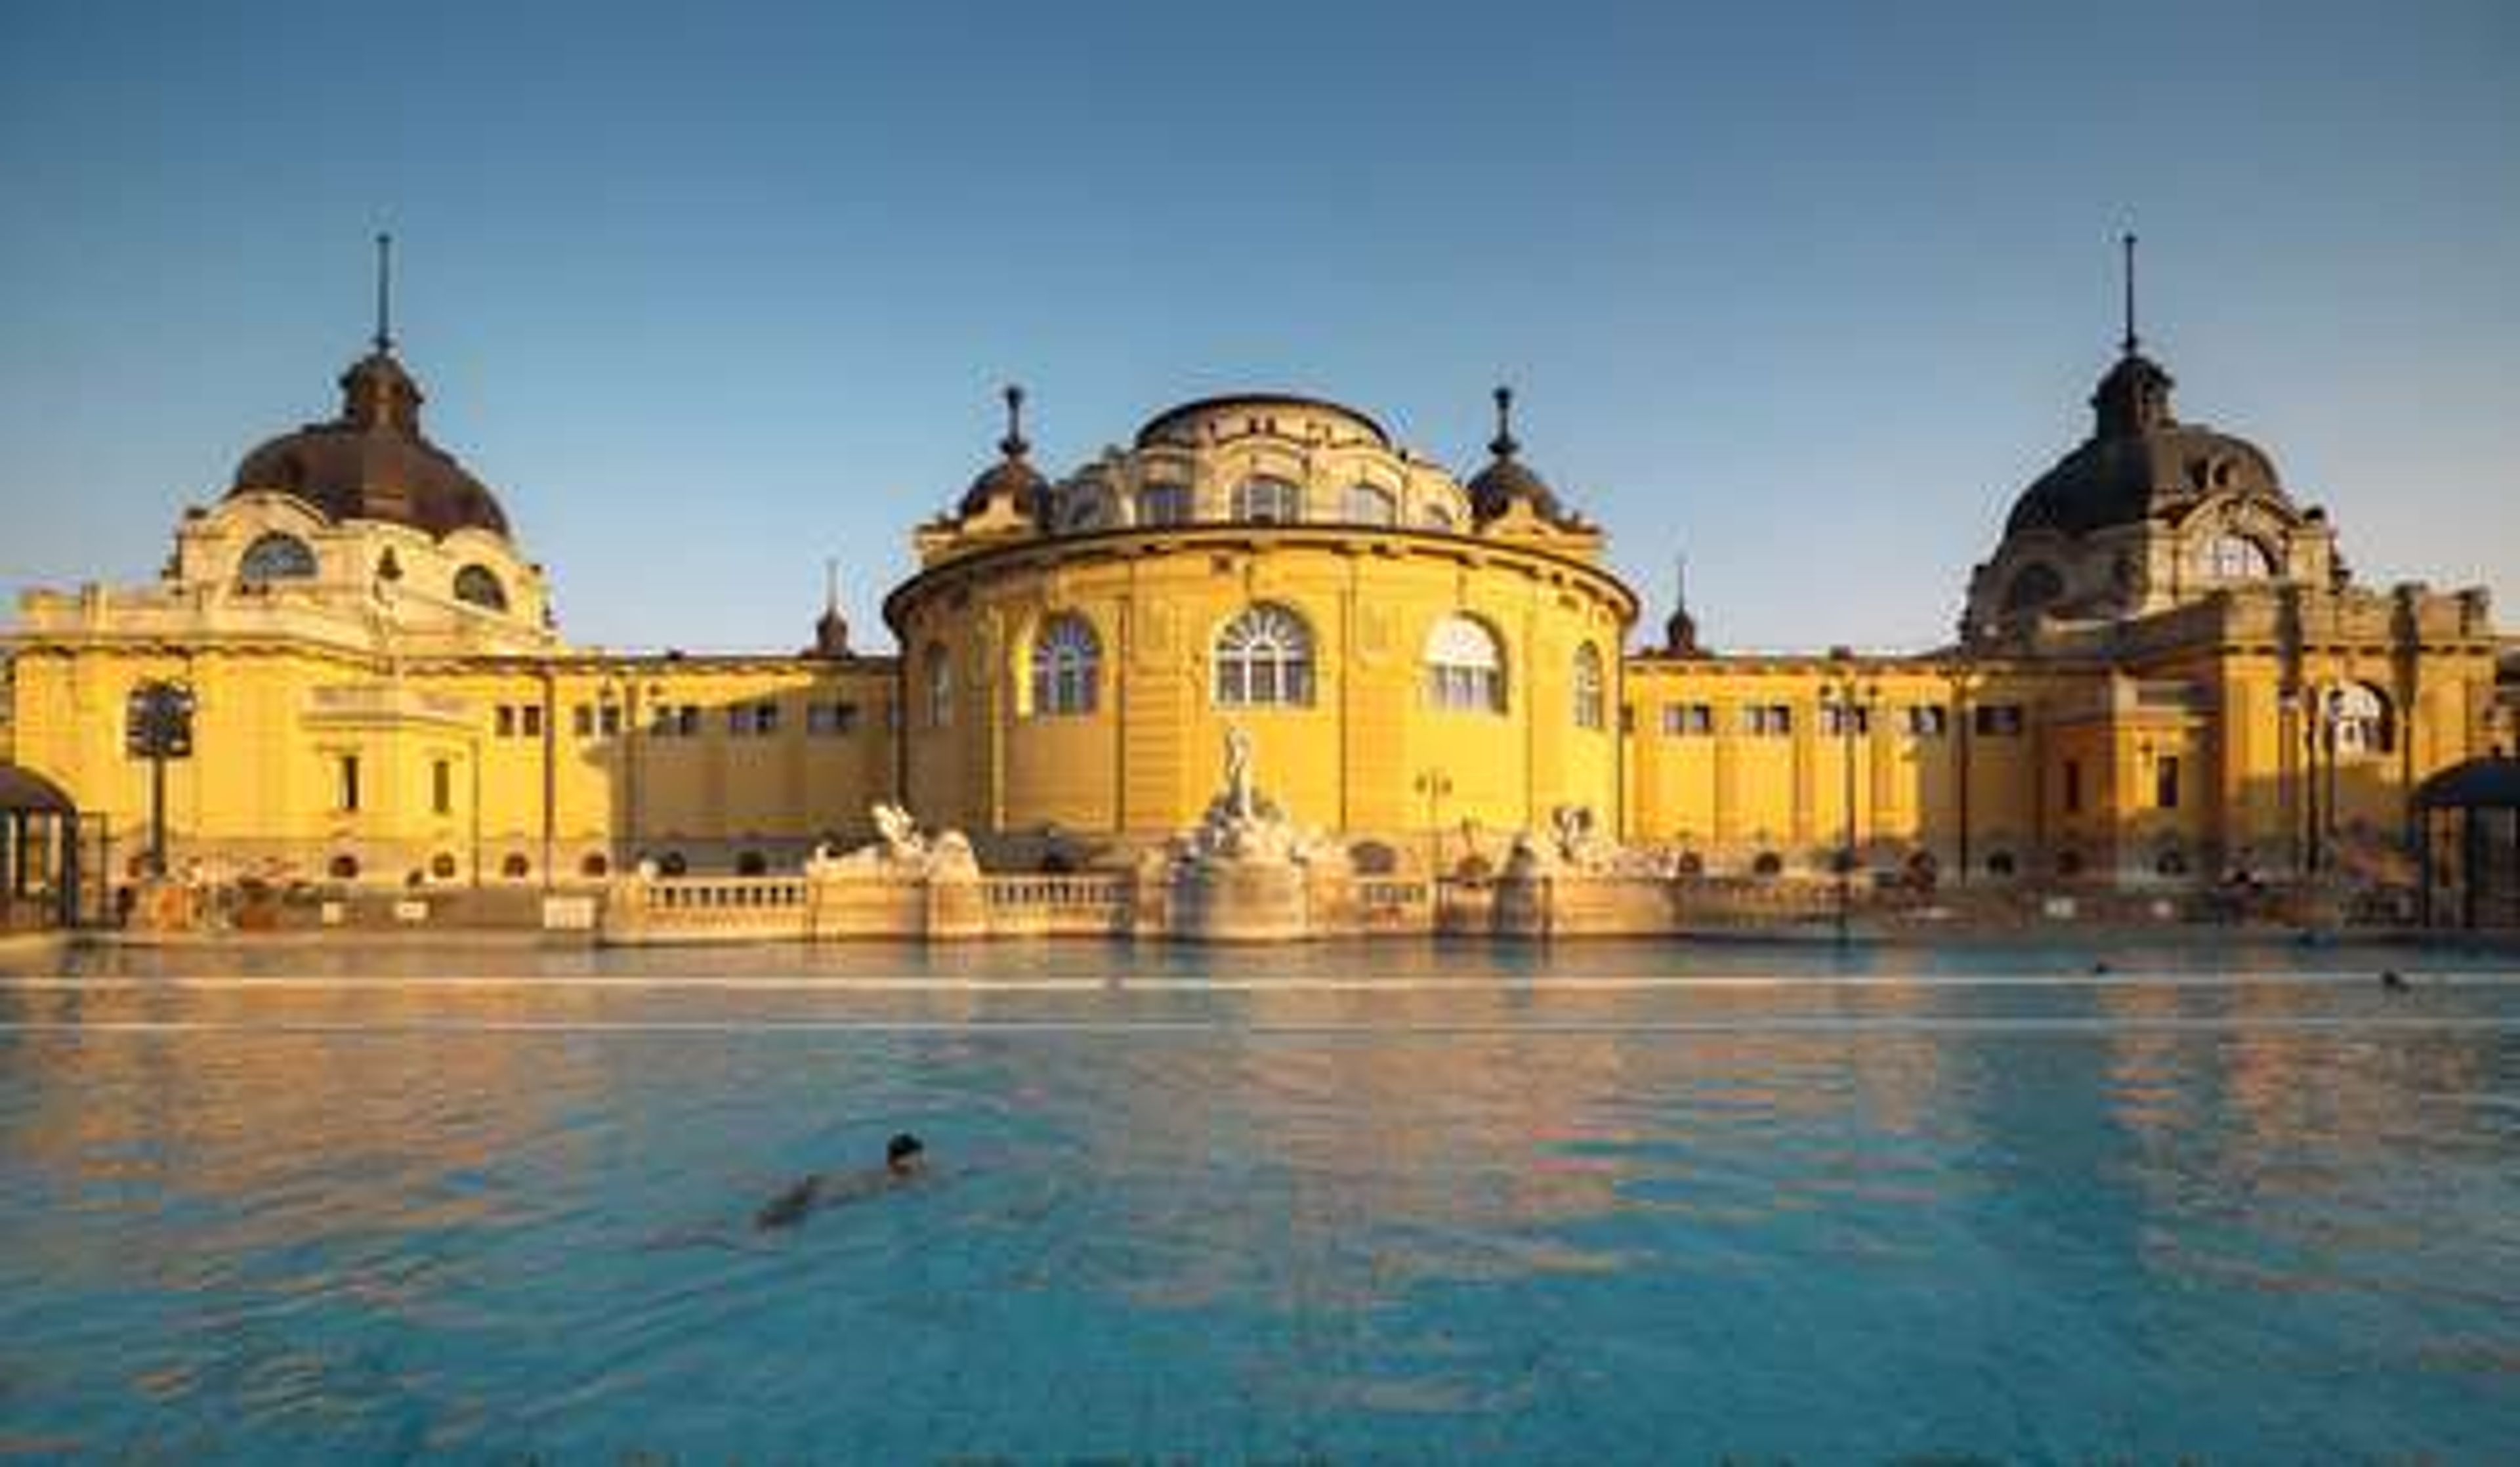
x,y
1506,479
373,462
1012,476
2140,462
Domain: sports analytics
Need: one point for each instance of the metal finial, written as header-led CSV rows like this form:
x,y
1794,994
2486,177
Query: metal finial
x,y
1503,445
1013,445
2130,341
383,337
832,585
1679,582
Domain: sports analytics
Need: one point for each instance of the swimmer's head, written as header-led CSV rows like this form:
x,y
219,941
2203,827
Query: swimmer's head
x,y
904,1153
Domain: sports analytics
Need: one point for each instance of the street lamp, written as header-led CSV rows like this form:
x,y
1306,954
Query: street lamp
x,y
1434,784
159,727
1853,702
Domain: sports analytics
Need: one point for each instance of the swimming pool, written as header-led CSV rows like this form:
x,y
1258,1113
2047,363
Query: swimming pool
x,y
1615,1203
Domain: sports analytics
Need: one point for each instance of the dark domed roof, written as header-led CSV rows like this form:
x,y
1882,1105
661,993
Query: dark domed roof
x,y
1495,488
373,462
2140,461
1012,474
2489,782
1506,479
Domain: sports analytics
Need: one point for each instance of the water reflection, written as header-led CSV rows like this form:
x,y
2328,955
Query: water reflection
x,y
1492,1204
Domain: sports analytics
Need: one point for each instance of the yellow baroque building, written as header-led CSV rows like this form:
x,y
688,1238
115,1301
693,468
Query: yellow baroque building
x,y
2165,674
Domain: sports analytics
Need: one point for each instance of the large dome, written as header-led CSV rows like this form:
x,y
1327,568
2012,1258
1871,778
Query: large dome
x,y
2140,462
1234,413
373,462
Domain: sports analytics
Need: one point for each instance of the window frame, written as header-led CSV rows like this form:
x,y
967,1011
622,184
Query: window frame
x,y
1064,668
1265,636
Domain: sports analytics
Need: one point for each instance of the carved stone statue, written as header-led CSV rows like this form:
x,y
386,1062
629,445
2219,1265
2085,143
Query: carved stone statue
x,y
899,851
900,831
1239,797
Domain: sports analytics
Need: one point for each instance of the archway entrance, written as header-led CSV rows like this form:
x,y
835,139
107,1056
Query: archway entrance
x,y
39,852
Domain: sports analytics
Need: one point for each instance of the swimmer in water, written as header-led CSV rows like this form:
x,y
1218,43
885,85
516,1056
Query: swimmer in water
x,y
904,1158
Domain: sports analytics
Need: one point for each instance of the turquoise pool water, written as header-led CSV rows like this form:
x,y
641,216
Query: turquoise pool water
x,y
1343,1204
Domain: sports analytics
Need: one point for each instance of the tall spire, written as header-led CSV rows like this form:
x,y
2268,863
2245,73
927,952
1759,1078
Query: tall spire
x,y
1013,445
830,628
383,338
1502,445
2130,342
2134,398
1679,629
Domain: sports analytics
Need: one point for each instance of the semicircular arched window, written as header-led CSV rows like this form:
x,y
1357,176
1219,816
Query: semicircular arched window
x,y
1264,659
2037,585
275,557
1371,504
1066,664
2230,556
475,586
1464,667
1591,699
2358,719
1435,515
1268,501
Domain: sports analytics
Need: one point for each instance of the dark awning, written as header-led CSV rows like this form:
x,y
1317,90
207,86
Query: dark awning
x,y
25,790
2490,782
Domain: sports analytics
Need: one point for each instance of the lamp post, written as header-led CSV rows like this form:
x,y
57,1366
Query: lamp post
x,y
1434,784
159,727
1854,702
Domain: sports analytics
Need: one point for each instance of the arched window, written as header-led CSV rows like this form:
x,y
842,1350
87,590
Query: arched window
x,y
2358,716
2035,587
1371,504
596,864
515,867
1590,701
1162,503
1465,669
1264,659
2233,557
1268,501
275,557
940,686
1066,659
475,586
1435,516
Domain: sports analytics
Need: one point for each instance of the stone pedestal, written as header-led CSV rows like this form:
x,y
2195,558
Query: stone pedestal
x,y
865,904
1240,901
958,907
159,904
1523,905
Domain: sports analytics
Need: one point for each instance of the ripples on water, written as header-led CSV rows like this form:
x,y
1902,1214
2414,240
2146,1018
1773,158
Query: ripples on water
x,y
1469,1204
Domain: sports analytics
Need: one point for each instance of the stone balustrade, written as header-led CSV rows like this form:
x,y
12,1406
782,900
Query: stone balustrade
x,y
1111,904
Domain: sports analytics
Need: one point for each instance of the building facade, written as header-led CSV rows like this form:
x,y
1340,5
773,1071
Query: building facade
x,y
2164,673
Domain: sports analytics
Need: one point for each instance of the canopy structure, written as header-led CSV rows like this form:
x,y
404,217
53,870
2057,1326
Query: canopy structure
x,y
2468,817
40,852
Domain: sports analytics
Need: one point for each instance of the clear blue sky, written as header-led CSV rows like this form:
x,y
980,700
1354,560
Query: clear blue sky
x,y
708,293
